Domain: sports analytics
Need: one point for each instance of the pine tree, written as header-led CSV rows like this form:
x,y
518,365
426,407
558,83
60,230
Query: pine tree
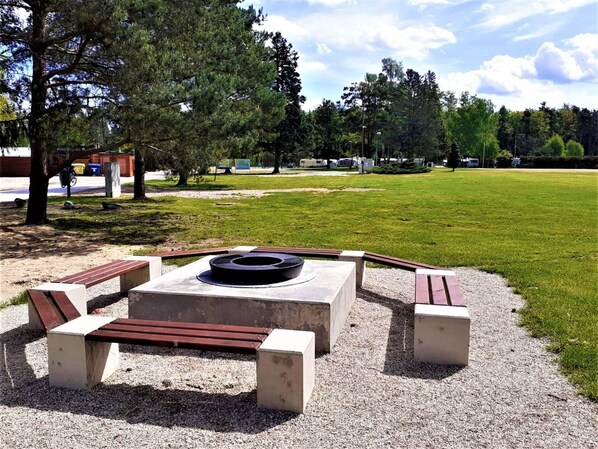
x,y
288,83
454,156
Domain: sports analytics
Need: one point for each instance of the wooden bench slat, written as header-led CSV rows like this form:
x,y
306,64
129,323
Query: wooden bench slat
x,y
197,326
65,305
395,262
314,252
192,252
177,332
47,314
138,338
422,291
104,272
454,292
437,291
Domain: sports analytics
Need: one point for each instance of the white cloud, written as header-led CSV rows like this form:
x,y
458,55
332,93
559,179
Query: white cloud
x,y
585,41
290,30
507,12
331,2
548,75
557,65
323,49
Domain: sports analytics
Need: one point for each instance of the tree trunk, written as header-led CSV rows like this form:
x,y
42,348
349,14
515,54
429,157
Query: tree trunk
x,y
139,181
38,175
277,161
183,178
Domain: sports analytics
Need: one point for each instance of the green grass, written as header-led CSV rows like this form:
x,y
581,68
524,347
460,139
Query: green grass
x,y
538,230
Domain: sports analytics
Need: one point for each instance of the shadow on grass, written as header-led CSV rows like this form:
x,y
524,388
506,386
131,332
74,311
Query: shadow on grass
x,y
399,359
126,226
219,412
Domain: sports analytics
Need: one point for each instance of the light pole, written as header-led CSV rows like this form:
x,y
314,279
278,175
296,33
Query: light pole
x,y
377,145
362,140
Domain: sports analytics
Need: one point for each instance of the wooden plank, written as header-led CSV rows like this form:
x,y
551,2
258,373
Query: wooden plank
x,y
422,290
47,314
437,291
65,305
395,262
104,272
314,252
456,298
197,326
178,332
138,338
192,253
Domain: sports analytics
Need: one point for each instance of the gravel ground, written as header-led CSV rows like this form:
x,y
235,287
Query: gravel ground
x,y
369,392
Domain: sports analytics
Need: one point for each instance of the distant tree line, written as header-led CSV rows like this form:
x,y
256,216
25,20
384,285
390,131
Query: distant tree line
x,y
401,114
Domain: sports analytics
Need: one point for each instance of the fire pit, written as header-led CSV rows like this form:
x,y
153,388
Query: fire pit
x,y
256,268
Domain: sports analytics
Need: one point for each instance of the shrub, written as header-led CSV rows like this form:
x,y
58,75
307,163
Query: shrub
x,y
574,148
404,168
559,162
554,146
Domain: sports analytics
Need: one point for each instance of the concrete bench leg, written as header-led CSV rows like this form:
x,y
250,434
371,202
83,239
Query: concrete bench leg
x,y
357,257
441,334
76,363
75,292
134,278
286,370
241,249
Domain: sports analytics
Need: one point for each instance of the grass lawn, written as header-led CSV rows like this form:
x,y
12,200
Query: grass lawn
x,y
538,230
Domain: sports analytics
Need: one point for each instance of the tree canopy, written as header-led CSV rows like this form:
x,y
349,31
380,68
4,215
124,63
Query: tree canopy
x,y
149,74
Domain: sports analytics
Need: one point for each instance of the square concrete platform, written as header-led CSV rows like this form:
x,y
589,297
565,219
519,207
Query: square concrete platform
x,y
319,300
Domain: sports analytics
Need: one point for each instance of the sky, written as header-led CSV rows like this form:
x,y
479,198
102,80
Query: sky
x,y
516,53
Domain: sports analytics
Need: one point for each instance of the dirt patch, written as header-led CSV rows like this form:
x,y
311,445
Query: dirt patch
x,y
31,255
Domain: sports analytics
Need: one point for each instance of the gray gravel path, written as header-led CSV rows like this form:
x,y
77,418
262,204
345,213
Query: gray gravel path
x,y
369,391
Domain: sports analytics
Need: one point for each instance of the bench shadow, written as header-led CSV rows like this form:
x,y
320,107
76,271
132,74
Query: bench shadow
x,y
399,359
168,407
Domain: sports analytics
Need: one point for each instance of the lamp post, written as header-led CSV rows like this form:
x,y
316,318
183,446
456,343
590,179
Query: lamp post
x,y
377,145
363,127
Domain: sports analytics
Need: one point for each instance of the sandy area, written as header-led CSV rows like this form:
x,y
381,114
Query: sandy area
x,y
30,255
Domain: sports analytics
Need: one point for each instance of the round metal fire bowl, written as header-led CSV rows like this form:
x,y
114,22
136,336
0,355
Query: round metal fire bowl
x,y
256,268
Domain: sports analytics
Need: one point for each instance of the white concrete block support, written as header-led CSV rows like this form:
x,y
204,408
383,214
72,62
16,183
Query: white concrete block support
x,y
357,257
441,334
134,278
75,292
112,179
286,370
75,363
241,249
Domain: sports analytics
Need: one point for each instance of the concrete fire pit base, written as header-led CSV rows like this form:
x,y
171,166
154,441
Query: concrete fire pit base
x,y
318,302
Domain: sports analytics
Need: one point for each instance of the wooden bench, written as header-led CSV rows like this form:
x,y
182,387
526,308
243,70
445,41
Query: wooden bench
x,y
85,351
53,308
442,323
132,271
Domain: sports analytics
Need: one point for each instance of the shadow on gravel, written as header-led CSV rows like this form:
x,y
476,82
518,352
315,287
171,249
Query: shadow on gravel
x,y
220,412
399,347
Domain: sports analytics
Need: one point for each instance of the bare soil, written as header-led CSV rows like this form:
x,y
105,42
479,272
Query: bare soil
x,y
31,255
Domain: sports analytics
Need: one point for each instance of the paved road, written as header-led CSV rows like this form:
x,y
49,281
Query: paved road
x,y
12,188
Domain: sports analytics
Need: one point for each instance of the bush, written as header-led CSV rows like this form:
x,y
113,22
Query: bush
x,y
559,162
504,159
574,148
554,146
404,168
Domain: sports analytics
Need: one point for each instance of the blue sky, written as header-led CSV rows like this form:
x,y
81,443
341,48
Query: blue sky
x,y
516,53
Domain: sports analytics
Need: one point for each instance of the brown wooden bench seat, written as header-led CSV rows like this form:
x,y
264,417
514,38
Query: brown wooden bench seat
x,y
53,308
103,273
437,287
211,337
